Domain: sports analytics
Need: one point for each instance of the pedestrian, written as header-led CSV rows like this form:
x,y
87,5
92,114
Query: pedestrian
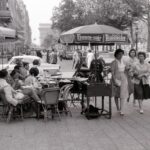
x,y
38,53
77,58
44,56
89,58
60,56
130,62
141,83
53,57
119,80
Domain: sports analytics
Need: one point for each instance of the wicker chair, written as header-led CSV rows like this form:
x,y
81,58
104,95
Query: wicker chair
x,y
8,110
49,101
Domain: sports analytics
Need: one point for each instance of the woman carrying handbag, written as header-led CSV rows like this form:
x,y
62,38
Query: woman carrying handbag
x,y
140,78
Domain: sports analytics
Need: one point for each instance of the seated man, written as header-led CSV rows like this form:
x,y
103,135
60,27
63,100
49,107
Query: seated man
x,y
24,69
17,71
36,64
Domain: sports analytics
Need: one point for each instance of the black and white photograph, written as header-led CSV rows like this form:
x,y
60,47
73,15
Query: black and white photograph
x,y
75,74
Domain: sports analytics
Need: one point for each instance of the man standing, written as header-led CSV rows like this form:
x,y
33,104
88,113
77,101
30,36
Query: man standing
x,y
89,58
53,57
77,56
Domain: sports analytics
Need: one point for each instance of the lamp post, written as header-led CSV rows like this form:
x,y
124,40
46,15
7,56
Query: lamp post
x,y
136,36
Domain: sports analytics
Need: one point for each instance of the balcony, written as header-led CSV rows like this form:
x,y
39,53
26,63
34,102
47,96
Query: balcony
x,y
5,15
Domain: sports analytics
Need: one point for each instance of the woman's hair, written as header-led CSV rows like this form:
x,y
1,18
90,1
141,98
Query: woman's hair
x,y
142,53
118,51
36,62
34,71
132,50
3,73
17,67
13,73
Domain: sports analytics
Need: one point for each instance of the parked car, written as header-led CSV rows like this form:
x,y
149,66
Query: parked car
x,y
51,68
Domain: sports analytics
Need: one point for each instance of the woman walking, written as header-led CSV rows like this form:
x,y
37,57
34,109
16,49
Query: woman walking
x,y
141,83
119,80
131,61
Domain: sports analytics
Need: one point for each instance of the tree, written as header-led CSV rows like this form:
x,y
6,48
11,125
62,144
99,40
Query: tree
x,y
71,13
63,16
50,40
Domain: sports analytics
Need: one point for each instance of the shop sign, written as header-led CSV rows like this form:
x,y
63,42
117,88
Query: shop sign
x,y
89,38
115,38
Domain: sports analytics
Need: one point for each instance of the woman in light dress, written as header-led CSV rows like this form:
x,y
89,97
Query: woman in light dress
x,y
119,80
32,81
141,83
131,61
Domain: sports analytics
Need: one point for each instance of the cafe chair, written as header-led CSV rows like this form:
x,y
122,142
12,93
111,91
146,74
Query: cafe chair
x,y
63,98
49,101
9,111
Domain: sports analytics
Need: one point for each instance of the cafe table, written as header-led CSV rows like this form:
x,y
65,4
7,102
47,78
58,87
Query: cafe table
x,y
89,90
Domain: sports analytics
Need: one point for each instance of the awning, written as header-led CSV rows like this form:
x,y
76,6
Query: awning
x,y
7,32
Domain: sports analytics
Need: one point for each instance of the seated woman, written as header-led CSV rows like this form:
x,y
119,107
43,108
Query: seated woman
x,y
19,85
32,81
8,90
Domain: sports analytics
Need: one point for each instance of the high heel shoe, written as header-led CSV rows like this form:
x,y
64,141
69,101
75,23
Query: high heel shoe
x,y
121,114
141,111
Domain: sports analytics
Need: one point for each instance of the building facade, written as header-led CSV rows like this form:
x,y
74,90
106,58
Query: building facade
x,y
14,17
20,22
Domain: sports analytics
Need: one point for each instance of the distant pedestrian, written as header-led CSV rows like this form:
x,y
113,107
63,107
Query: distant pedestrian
x,y
53,57
60,56
77,58
44,56
39,54
89,58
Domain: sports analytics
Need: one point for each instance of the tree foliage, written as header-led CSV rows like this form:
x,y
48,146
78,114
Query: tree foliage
x,y
73,13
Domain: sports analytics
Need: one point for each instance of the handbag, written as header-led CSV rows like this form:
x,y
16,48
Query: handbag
x,y
146,90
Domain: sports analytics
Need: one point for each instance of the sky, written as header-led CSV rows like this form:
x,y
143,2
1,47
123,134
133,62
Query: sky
x,y
40,11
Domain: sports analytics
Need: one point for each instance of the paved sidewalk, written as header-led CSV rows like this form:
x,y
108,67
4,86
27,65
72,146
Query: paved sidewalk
x,y
131,132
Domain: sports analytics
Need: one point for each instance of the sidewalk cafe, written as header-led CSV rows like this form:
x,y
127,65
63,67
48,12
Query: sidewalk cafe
x,y
57,92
